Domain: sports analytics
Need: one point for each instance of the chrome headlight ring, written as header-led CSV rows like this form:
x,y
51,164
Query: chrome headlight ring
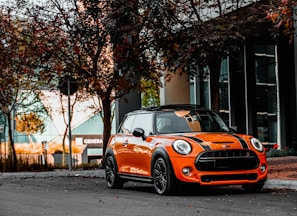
x,y
182,147
257,144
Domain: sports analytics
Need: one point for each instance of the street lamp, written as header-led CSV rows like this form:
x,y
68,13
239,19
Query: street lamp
x,y
68,86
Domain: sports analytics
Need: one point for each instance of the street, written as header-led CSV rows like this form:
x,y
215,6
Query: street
x,y
60,196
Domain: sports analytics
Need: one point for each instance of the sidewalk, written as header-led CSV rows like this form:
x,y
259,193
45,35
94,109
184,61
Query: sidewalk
x,y
99,173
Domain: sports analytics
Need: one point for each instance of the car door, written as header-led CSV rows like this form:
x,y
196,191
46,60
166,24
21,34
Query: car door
x,y
121,146
141,149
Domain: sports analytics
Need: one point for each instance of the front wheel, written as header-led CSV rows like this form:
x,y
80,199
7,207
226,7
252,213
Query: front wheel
x,y
254,188
111,176
163,178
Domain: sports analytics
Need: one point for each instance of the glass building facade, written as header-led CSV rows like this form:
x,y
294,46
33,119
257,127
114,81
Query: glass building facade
x,y
249,94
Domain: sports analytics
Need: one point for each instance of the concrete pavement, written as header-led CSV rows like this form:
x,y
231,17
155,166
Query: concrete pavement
x,y
99,173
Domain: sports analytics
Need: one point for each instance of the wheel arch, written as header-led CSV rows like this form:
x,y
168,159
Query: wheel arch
x,y
161,152
109,152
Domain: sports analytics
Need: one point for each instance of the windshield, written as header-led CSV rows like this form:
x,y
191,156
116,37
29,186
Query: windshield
x,y
184,121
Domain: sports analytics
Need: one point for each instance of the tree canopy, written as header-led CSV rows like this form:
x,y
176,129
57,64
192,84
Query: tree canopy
x,y
281,14
29,124
19,75
110,46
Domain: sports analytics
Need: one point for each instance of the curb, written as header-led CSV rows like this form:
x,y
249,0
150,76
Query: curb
x,y
55,173
100,173
281,184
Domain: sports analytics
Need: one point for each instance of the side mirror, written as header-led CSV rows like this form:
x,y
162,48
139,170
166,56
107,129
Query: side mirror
x,y
139,132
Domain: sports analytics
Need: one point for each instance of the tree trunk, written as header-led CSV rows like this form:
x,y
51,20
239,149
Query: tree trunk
x,y
214,65
63,146
12,153
30,138
106,103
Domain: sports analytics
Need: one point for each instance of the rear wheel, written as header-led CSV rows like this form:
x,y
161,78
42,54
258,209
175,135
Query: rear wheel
x,y
111,176
163,178
254,188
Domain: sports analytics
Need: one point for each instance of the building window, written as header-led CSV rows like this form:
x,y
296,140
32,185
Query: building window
x,y
193,96
202,95
205,88
224,91
266,94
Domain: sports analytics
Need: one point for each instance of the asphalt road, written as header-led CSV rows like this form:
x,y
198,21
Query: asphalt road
x,y
59,196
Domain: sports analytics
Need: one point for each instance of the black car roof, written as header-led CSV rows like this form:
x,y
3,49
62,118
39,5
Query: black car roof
x,y
181,106
170,107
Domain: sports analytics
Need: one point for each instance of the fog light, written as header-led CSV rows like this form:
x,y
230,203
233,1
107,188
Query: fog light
x,y
263,168
186,171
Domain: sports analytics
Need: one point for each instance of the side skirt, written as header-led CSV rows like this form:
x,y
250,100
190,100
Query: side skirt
x,y
136,178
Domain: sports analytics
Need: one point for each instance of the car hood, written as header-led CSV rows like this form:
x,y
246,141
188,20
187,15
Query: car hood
x,y
216,141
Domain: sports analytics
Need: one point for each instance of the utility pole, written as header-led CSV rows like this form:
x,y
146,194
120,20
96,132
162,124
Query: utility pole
x,y
69,124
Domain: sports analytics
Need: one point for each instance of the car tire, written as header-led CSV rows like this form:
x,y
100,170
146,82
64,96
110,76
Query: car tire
x,y
111,176
254,188
162,177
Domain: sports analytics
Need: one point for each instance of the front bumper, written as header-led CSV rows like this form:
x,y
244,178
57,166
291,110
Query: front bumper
x,y
221,176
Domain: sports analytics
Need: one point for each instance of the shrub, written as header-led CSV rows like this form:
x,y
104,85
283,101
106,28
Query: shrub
x,y
281,153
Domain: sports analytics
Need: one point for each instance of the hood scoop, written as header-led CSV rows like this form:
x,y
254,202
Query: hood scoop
x,y
223,143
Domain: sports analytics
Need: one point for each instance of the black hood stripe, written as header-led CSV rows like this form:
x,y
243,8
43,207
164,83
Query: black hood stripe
x,y
199,141
242,141
207,147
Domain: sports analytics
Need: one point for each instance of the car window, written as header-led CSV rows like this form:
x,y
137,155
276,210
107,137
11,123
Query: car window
x,y
207,122
212,123
170,122
183,121
126,126
221,124
144,121
163,122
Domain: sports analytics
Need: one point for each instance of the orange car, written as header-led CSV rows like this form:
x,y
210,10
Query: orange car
x,y
170,144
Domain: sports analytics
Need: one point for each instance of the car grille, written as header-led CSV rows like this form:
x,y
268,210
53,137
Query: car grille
x,y
227,160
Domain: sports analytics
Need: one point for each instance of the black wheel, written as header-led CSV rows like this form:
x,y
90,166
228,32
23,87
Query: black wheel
x,y
111,176
162,175
254,188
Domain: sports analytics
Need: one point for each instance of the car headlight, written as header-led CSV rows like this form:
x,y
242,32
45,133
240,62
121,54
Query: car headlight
x,y
182,147
257,144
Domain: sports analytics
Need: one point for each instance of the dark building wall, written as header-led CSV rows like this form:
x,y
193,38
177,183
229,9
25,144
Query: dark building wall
x,y
287,93
129,102
250,89
237,86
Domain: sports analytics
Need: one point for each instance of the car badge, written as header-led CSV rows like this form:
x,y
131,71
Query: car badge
x,y
226,146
